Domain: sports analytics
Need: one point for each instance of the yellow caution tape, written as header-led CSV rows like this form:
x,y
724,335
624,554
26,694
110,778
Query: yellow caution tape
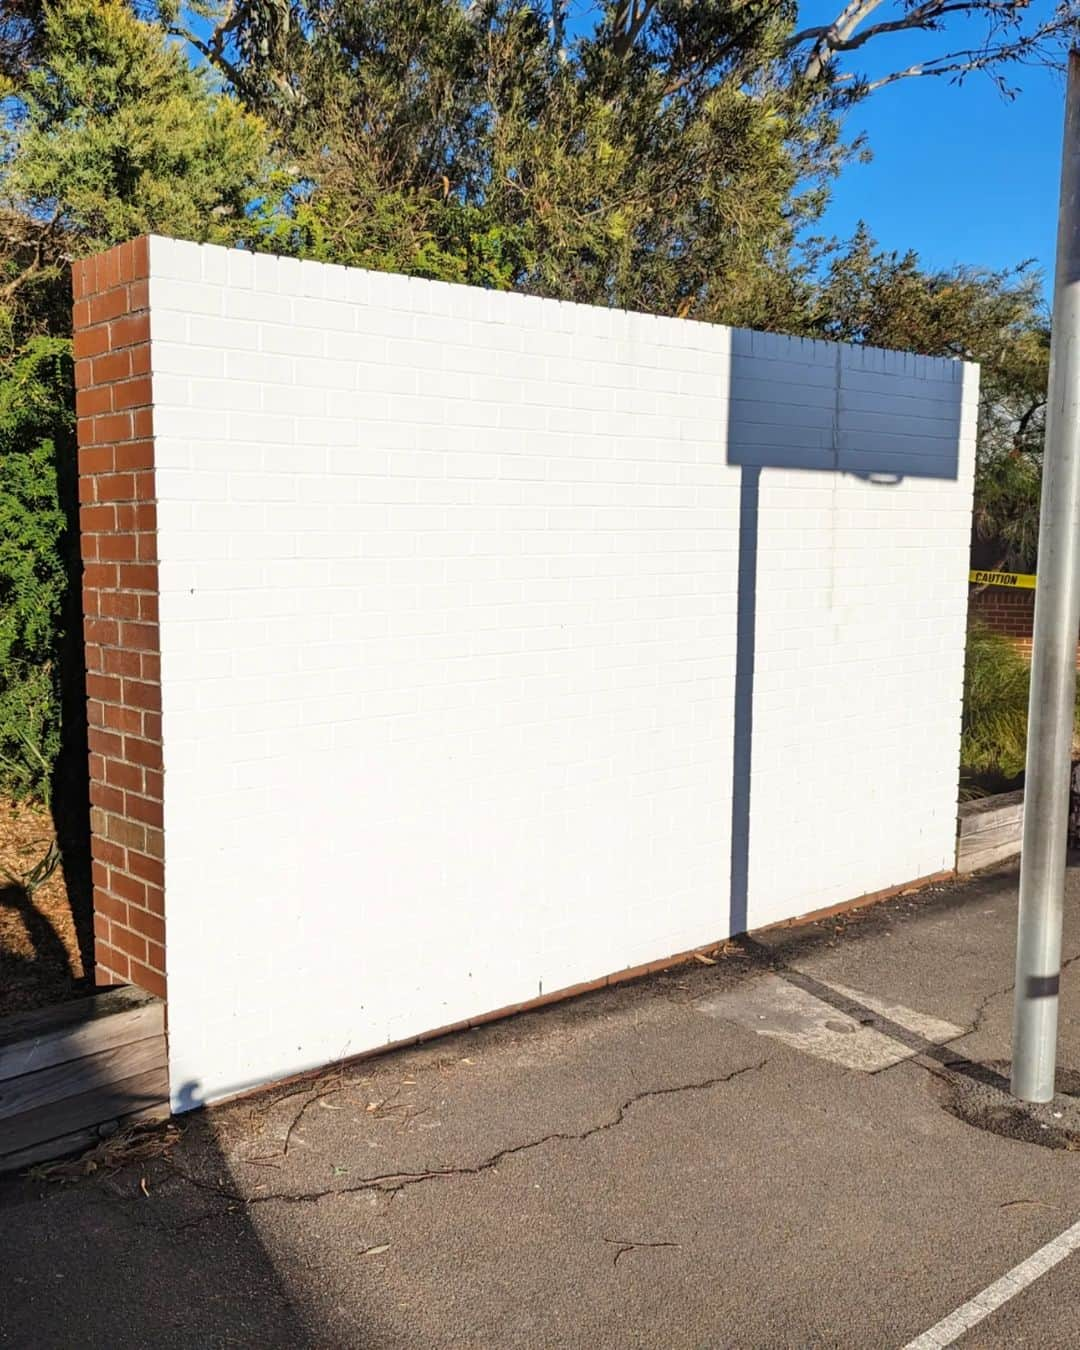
x,y
1021,580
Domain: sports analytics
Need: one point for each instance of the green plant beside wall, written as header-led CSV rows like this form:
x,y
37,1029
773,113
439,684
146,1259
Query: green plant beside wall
x,y
36,423
997,679
108,133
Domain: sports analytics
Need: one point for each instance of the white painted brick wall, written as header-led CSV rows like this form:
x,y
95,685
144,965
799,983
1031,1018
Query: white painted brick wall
x,y
449,606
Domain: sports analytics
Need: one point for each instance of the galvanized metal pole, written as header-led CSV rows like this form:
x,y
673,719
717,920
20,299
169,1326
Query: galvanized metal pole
x,y
1053,664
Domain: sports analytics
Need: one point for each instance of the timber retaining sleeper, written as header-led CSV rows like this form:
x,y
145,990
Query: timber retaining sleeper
x,y
72,1074
989,830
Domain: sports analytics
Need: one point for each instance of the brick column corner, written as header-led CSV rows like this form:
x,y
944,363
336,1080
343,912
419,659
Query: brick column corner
x,y
118,520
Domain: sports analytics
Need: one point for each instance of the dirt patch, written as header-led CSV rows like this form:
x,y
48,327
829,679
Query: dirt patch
x,y
39,950
979,1096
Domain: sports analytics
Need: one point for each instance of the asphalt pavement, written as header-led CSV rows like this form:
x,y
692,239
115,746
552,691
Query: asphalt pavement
x,y
806,1144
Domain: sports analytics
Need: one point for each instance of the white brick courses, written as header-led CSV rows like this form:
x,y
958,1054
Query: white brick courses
x,y
449,624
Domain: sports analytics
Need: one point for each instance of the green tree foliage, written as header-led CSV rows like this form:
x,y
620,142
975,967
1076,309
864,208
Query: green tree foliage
x,y
35,419
655,154
108,133
116,135
995,318
652,153
668,158
474,142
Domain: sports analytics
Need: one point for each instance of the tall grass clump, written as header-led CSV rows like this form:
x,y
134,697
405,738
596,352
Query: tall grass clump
x,y
994,736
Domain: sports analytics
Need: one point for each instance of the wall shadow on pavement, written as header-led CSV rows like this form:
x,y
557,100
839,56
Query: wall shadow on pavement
x,y
161,1251
759,438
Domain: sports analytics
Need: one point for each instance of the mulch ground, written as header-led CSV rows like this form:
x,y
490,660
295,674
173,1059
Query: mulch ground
x,y
39,951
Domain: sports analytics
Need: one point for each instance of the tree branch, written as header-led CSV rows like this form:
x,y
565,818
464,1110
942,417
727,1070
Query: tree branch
x,y
841,28
960,62
213,48
1022,424
925,16
631,16
211,53
738,40
1003,17
39,263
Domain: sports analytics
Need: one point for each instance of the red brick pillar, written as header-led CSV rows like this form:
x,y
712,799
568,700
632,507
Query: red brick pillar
x,y
120,607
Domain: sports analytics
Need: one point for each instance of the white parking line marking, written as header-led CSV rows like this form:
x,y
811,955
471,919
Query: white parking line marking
x,y
971,1313
773,1006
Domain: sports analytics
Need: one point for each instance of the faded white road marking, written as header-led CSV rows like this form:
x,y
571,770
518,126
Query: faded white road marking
x,y
772,1006
971,1313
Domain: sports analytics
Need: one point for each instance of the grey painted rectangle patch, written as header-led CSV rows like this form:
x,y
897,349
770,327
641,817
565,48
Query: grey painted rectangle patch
x,y
773,1006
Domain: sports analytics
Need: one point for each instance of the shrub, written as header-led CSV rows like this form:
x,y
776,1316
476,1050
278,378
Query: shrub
x,y
108,132
996,683
36,426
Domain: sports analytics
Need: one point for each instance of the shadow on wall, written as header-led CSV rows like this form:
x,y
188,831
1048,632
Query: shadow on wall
x,y
830,428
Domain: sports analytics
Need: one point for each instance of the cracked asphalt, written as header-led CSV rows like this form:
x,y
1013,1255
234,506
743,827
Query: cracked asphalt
x,y
619,1170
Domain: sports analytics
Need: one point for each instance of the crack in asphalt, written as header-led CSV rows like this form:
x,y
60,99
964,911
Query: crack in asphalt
x,y
983,1008
939,1062
625,1245
391,1183
984,1004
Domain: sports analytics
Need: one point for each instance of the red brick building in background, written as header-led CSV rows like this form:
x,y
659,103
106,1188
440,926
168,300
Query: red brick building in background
x,y
1008,611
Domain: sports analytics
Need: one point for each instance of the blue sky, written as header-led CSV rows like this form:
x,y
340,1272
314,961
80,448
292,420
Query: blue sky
x,y
959,173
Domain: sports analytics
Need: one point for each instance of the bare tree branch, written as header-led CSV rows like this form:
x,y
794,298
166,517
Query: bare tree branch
x,y
43,257
924,16
839,31
1005,40
1024,421
962,63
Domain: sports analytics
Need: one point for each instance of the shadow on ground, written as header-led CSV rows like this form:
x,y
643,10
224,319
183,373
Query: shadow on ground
x,y
138,1258
619,1170
49,949
36,970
